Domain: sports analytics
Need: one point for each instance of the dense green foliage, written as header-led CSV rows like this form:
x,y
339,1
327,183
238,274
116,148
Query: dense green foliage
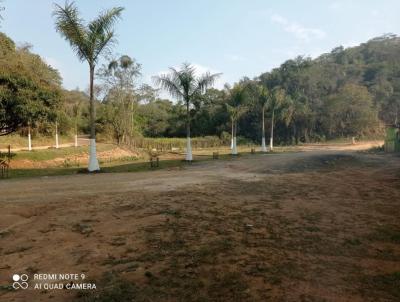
x,y
347,92
29,88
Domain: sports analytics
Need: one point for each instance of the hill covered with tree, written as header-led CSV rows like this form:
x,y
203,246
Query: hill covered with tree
x,y
346,92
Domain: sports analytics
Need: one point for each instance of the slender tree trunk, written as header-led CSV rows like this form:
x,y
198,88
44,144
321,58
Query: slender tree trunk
x,y
232,135
189,156
29,138
76,135
234,149
132,129
263,146
271,140
93,162
57,135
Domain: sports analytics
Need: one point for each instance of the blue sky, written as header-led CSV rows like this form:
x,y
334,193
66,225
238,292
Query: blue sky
x,y
236,37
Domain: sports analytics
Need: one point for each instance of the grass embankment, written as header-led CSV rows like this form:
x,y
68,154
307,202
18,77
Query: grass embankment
x,y
67,161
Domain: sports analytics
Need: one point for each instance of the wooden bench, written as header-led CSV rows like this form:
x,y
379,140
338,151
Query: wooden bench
x,y
154,161
5,159
4,167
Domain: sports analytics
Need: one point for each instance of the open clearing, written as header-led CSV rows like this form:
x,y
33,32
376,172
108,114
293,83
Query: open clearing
x,y
322,225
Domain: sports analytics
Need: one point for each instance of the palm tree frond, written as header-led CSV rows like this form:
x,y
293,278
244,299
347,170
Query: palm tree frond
x,y
105,21
170,83
70,25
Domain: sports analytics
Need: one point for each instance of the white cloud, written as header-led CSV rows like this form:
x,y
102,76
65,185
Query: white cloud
x,y
299,31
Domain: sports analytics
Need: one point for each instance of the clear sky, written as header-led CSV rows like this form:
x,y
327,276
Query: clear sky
x,y
236,37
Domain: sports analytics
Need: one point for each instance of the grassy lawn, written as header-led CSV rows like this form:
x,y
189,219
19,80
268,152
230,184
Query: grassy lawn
x,y
52,153
115,166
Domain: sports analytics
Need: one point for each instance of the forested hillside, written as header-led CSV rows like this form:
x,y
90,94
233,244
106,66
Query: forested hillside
x,y
347,92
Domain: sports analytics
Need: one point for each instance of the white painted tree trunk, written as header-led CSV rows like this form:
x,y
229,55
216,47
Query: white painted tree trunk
x,y
93,162
56,135
263,146
232,135
271,140
189,156
29,140
76,141
234,148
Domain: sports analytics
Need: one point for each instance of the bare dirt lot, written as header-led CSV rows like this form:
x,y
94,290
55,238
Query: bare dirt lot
x,y
303,226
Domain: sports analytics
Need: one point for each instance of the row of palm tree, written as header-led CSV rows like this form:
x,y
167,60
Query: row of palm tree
x,y
93,39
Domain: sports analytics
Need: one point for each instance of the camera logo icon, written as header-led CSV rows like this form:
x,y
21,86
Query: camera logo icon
x,y
20,281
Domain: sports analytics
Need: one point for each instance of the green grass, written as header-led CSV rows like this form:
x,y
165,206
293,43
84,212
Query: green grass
x,y
117,166
52,153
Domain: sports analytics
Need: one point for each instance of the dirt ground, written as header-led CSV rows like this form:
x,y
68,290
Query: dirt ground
x,y
322,225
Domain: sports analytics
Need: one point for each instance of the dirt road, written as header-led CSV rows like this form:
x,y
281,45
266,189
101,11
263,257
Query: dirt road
x,y
304,226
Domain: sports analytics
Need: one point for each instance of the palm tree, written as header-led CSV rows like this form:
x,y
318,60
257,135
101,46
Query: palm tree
x,y
237,96
276,100
235,113
89,41
184,85
262,96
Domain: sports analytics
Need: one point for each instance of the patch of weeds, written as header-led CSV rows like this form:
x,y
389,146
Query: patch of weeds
x,y
312,229
18,249
118,241
352,241
5,233
129,250
32,270
6,288
229,287
388,285
174,213
82,228
208,252
311,217
131,267
386,234
309,298
111,288
111,260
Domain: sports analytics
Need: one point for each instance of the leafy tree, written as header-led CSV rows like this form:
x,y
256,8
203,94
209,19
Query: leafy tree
x,y
89,41
350,112
29,88
184,85
119,78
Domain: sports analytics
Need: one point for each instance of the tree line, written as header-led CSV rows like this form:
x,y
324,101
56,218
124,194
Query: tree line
x,y
347,92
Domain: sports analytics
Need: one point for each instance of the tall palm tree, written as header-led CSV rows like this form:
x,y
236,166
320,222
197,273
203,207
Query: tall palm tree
x,y
237,97
89,41
235,113
262,96
275,102
184,85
